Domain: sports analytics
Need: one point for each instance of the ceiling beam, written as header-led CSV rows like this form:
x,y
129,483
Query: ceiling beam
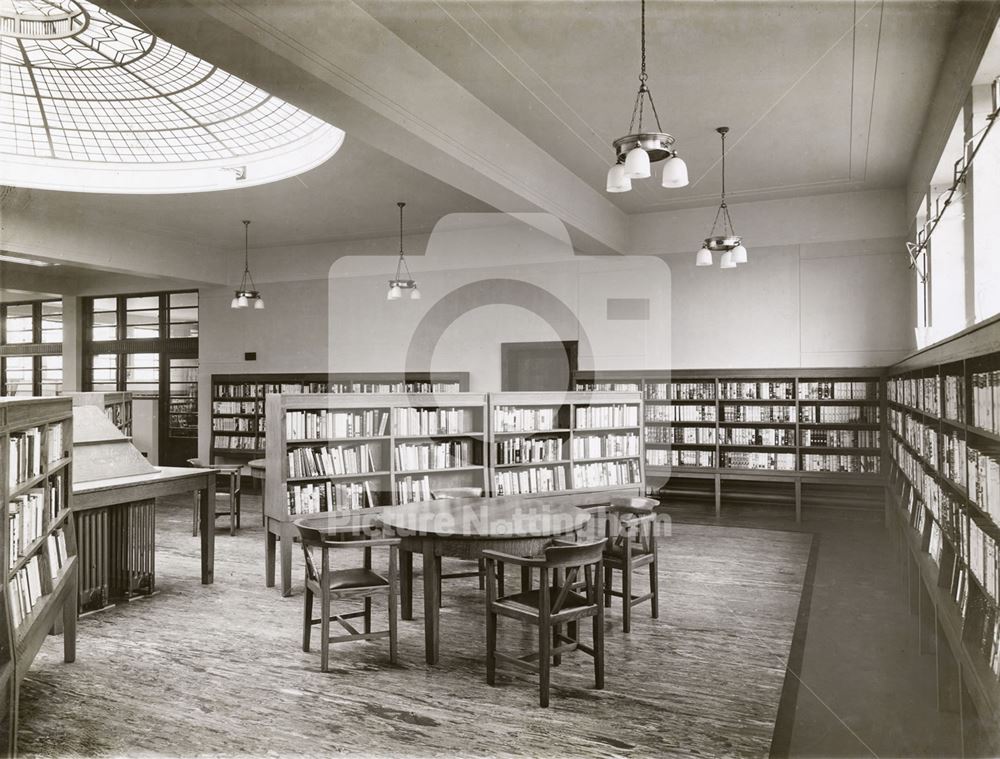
x,y
339,63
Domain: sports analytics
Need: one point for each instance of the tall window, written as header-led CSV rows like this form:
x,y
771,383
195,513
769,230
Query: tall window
x,y
31,348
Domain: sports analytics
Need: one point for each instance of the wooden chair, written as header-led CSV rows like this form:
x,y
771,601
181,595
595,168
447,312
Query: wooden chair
x,y
227,498
327,585
631,545
462,493
556,603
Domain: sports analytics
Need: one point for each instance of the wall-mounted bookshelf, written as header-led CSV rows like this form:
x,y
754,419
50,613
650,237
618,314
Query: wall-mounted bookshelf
x,y
117,406
38,550
944,503
345,451
576,443
238,418
820,426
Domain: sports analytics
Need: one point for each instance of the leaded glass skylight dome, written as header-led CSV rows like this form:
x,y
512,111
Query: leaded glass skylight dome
x,y
92,103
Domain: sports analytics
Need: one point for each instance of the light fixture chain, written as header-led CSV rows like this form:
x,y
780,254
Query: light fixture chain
x,y
715,223
642,75
724,170
655,114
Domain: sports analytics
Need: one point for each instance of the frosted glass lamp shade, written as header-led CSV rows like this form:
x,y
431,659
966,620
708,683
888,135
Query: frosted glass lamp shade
x,y
675,173
637,164
617,181
727,261
739,254
259,303
394,293
235,303
242,302
414,293
704,257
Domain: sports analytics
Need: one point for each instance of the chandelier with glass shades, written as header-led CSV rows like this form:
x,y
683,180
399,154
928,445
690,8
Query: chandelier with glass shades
x,y
726,241
399,283
638,149
248,290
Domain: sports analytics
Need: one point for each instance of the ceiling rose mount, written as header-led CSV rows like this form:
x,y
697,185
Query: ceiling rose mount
x,y
641,147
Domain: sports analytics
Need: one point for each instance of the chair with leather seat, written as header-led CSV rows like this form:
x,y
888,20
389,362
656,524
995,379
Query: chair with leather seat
x,y
465,492
629,527
327,584
565,569
227,493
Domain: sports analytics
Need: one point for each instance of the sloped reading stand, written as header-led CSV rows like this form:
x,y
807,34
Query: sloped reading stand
x,y
114,508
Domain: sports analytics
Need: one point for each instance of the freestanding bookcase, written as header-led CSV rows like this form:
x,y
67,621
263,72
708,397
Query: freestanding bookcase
x,y
38,549
337,451
943,501
788,427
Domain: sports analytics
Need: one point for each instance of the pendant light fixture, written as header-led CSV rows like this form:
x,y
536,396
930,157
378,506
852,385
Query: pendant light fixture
x,y
638,149
727,241
248,290
399,282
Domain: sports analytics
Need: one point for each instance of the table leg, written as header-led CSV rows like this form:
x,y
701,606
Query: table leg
x,y
287,542
406,583
208,532
432,621
270,551
525,579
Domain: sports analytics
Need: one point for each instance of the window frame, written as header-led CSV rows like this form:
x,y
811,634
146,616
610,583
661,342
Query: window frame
x,y
35,349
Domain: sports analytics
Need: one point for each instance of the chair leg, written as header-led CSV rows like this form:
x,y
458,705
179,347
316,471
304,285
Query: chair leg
x,y
238,509
491,646
544,663
482,574
607,586
500,574
393,581
556,631
599,648
307,623
232,516
325,630
197,511
654,602
368,614
627,598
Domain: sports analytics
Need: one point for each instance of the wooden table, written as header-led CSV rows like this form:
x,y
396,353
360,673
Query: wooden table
x,y
258,470
167,480
464,528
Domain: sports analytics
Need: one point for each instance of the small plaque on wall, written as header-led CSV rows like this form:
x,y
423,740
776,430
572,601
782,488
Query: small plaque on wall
x,y
252,356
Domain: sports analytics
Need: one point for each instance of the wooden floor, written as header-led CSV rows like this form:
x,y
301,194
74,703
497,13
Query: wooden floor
x,y
219,670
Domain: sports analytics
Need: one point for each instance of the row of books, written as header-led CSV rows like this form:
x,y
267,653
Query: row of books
x,y
681,391
328,496
759,460
410,489
596,446
25,589
261,389
839,415
448,455
24,456
234,424
606,473
661,457
681,435
847,463
761,391
772,414
432,421
25,523
984,482
618,415
520,450
955,459
238,442
822,390
313,425
986,401
954,398
607,387
237,407
820,438
680,413
518,419
533,480
984,554
921,437
759,436
55,441
317,462
921,393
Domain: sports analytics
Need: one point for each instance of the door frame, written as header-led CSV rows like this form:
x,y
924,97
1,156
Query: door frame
x,y
508,351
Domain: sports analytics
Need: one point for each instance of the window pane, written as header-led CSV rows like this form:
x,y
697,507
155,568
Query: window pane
x,y
183,299
52,374
142,324
52,321
20,375
105,326
50,307
19,324
143,303
105,304
142,373
184,330
183,315
103,372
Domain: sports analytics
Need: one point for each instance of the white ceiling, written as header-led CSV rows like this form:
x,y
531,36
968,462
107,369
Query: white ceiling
x,y
820,96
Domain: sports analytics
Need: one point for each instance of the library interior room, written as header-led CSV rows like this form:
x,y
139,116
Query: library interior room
x,y
346,410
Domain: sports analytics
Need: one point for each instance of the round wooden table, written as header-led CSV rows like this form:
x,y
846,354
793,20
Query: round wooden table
x,y
464,528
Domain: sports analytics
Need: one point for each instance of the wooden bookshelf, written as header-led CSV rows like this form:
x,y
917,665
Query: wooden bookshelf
x,y
238,417
38,549
802,426
118,407
943,504
583,445
346,451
